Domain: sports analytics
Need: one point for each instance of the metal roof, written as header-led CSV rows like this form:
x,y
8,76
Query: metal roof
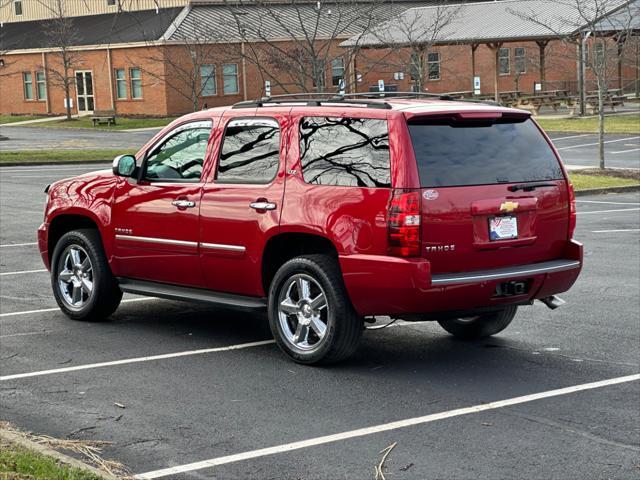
x,y
110,28
273,21
508,20
626,18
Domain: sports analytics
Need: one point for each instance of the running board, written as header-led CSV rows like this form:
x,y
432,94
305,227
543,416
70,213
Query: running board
x,y
189,294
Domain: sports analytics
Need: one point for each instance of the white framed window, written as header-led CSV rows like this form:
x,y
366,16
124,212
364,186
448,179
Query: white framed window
x,y
27,80
504,61
598,54
121,84
230,78
337,71
17,7
41,85
111,3
135,77
433,65
520,58
208,87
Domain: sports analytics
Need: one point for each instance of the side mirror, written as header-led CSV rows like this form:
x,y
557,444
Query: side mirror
x,y
124,165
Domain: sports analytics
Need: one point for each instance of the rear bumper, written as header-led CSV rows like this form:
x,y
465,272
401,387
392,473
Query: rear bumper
x,y
380,285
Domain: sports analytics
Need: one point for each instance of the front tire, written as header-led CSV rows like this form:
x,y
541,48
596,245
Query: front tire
x,y
82,282
310,314
480,326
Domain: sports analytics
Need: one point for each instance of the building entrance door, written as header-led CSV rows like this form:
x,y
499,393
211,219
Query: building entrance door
x,y
84,89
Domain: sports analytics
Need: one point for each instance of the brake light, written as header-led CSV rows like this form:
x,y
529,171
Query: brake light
x,y
572,211
404,223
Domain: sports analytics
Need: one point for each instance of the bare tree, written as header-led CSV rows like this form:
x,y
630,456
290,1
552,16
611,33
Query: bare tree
x,y
409,40
294,44
61,36
190,61
602,27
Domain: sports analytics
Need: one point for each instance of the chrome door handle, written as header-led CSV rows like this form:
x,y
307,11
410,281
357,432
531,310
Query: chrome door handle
x,y
183,203
263,205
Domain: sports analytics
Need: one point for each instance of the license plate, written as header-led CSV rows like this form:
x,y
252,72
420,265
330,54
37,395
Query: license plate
x,y
503,228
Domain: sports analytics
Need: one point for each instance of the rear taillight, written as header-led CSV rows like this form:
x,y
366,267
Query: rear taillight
x,y
572,211
404,223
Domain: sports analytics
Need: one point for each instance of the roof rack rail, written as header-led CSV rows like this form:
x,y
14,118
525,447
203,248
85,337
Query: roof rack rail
x,y
367,99
438,96
311,100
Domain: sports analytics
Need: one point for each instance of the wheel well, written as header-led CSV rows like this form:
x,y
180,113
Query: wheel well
x,y
284,247
63,224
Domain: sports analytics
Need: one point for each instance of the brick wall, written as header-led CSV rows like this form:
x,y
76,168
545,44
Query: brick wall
x,y
161,95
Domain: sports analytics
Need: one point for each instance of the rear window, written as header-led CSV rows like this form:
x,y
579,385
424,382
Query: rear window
x,y
348,152
456,153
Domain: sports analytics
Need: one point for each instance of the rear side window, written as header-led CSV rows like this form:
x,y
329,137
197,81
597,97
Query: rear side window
x,y
250,151
349,152
455,153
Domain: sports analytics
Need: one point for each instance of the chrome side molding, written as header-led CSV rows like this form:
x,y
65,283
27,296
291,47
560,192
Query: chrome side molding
x,y
184,243
222,246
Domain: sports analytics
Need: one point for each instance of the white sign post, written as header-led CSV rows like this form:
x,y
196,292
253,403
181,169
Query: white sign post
x,y
381,85
476,85
267,88
341,86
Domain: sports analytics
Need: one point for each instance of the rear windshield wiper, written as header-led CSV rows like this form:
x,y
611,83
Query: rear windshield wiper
x,y
529,187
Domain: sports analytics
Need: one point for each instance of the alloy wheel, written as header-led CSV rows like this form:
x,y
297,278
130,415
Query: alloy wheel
x,y
303,312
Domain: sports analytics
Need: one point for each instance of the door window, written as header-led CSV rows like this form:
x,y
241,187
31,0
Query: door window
x,y
250,151
180,157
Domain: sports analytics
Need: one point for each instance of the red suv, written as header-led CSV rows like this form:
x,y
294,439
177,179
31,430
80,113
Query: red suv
x,y
325,212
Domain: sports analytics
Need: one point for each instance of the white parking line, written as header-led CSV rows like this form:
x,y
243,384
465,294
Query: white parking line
x,y
23,272
44,310
592,144
616,231
610,211
626,151
608,203
385,427
573,136
127,361
18,244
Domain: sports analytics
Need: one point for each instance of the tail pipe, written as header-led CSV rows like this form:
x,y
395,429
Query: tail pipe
x,y
553,301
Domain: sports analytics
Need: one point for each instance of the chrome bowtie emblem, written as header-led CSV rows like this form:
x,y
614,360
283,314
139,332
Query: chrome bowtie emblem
x,y
508,206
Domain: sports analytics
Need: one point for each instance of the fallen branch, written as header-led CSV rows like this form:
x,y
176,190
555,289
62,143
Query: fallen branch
x,y
378,468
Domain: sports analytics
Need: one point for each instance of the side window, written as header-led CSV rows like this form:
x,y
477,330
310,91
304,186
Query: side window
x,y
181,156
350,152
250,151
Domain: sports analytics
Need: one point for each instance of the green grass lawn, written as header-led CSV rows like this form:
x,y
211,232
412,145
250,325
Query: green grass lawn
x,y
16,118
582,181
17,463
58,156
612,124
122,123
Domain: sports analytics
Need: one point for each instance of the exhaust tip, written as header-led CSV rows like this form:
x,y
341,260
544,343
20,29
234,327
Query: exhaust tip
x,y
553,302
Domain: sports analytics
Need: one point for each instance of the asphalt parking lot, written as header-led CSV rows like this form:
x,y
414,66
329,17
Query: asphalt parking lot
x,y
581,149
206,394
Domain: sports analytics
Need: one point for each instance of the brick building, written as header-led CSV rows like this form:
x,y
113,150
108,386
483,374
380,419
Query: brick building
x,y
173,60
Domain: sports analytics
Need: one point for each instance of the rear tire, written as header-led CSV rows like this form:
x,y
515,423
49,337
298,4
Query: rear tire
x,y
480,326
82,282
310,314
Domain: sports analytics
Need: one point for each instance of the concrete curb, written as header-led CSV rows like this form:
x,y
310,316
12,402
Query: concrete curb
x,y
22,440
600,191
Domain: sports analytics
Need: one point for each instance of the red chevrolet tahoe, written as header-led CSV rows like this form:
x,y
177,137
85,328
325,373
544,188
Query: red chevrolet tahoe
x,y
325,212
